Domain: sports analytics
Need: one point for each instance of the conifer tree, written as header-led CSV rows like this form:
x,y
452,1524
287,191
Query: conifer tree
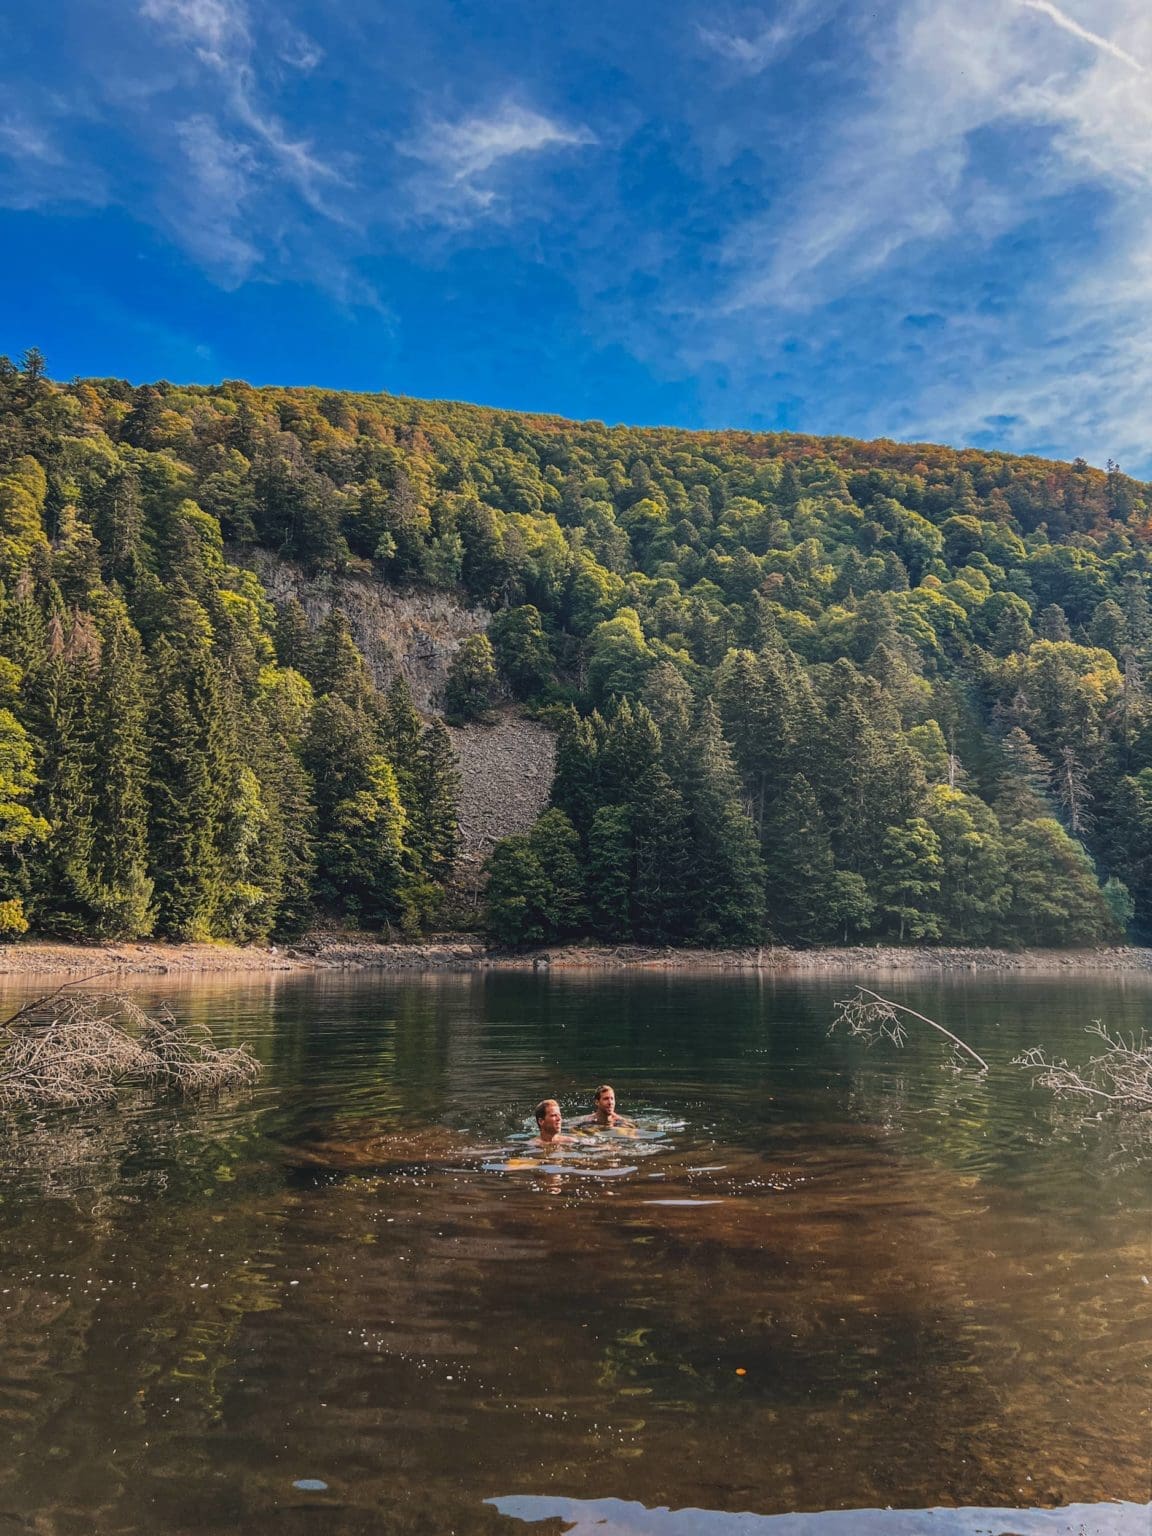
x,y
609,864
554,841
21,829
434,832
629,749
517,895
470,688
665,892
402,733
61,696
122,885
337,665
295,642
185,790
800,867
363,858
1023,788
284,707
575,786
729,885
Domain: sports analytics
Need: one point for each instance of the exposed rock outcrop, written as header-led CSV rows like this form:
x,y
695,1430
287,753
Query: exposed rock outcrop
x,y
415,633
506,768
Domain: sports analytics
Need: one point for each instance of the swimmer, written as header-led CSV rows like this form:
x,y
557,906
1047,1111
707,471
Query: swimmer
x,y
604,1116
549,1121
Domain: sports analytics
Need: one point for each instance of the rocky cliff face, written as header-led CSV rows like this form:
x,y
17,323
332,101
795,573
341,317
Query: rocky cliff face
x,y
506,769
416,633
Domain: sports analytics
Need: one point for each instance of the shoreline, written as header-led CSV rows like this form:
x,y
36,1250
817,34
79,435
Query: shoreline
x,y
350,952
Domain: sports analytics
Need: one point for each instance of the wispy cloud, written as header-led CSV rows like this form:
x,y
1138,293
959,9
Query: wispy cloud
x,y
462,160
209,204
755,45
219,33
1069,24
983,121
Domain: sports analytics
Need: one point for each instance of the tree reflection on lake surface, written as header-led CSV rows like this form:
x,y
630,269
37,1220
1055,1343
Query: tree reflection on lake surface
x,y
834,1280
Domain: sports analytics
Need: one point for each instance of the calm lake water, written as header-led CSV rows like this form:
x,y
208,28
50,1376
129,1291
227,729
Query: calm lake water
x,y
825,1279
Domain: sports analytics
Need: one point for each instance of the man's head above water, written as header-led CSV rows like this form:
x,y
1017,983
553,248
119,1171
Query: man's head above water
x,y
604,1104
548,1119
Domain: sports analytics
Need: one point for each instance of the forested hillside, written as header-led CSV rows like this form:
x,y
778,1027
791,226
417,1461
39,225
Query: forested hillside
x,y
806,689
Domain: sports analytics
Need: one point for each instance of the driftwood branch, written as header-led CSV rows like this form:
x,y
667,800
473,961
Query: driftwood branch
x,y
869,1017
1119,1076
67,1051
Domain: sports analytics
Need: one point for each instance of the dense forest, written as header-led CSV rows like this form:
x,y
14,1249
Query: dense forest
x,y
805,689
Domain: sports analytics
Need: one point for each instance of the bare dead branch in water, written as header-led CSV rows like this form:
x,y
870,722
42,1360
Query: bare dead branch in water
x,y
64,1052
1120,1076
870,1017
38,1003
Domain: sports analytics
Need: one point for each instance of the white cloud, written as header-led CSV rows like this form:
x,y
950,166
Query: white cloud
x,y
461,159
219,33
216,29
35,172
210,202
1070,24
753,48
908,180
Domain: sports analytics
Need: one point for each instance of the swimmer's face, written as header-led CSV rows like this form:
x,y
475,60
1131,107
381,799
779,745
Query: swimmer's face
x,y
551,1120
606,1101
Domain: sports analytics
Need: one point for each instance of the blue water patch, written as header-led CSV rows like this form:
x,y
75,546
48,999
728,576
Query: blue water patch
x,y
589,1517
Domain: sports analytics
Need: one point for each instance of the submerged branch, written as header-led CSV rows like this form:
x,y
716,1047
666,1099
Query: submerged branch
x,y
870,1017
1121,1075
64,1052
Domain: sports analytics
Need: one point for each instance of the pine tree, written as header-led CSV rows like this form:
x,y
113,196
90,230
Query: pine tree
x,y
517,895
402,733
337,665
1023,787
434,832
62,699
185,791
470,688
295,642
729,885
610,859
575,786
556,845
122,886
664,888
800,866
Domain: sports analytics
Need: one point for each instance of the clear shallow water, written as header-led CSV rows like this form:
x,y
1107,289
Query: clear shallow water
x,y
828,1279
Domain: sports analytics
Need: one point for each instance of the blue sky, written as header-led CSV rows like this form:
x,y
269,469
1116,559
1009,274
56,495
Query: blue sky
x,y
925,219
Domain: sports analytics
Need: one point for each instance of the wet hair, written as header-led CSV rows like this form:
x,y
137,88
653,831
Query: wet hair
x,y
602,1088
542,1108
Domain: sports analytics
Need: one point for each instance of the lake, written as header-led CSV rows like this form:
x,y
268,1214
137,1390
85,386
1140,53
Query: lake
x,y
823,1280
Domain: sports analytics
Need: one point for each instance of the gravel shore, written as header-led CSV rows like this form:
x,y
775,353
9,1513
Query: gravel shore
x,y
338,951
